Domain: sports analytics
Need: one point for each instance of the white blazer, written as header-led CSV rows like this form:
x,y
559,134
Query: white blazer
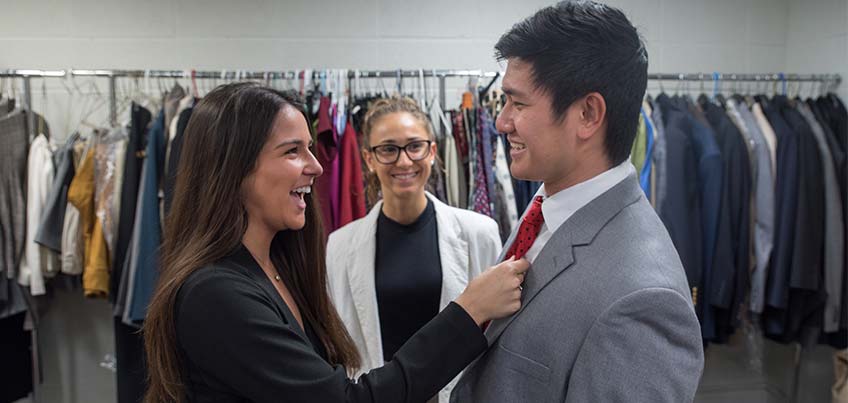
x,y
468,244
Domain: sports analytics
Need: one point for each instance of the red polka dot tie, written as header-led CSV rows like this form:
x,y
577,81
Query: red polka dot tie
x,y
527,233
528,230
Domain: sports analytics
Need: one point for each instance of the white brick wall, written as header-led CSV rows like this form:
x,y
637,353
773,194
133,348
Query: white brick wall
x,y
359,33
817,39
682,36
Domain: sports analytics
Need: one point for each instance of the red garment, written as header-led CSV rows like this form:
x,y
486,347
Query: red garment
x,y
459,135
528,231
352,192
327,152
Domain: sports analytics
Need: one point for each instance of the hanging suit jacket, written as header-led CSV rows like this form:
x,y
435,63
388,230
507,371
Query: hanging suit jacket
x,y
717,250
797,292
764,201
606,316
807,293
732,276
139,120
835,116
786,189
839,339
681,212
834,246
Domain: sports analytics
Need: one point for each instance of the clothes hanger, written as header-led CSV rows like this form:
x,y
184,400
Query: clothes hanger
x,y
435,98
422,91
679,85
793,89
98,101
485,90
833,83
341,99
122,100
67,122
718,90
14,89
382,85
357,89
194,83
223,78
42,124
399,82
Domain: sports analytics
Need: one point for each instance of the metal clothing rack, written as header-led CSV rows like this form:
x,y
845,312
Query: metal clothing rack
x,y
27,105
399,75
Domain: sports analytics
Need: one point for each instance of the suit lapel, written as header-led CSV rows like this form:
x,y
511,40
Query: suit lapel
x,y
362,284
558,254
555,257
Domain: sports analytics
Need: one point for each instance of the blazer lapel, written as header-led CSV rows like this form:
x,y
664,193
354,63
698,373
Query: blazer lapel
x,y
453,251
558,254
362,283
243,258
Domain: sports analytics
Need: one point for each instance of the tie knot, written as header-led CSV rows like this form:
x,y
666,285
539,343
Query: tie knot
x,y
534,214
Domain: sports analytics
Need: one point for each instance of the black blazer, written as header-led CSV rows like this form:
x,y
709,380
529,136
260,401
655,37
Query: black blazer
x,y
732,271
240,343
807,289
786,202
794,285
681,211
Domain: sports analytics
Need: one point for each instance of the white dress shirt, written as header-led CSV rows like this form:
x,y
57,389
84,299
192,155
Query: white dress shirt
x,y
559,207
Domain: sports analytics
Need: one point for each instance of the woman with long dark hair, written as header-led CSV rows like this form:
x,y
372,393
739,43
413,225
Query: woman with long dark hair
x,y
241,311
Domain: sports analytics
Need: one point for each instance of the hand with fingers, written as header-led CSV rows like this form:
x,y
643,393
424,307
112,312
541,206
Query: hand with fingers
x,y
496,293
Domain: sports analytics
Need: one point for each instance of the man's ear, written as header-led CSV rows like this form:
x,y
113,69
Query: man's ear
x,y
592,114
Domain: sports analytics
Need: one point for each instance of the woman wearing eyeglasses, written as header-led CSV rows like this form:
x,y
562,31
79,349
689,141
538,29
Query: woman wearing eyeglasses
x,y
392,271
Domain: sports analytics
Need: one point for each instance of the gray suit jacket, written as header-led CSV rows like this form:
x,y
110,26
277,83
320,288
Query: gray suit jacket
x,y
606,316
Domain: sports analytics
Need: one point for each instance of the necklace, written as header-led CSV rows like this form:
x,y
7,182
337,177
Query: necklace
x,y
276,276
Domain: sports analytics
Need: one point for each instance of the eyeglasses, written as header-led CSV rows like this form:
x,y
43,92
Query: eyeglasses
x,y
390,153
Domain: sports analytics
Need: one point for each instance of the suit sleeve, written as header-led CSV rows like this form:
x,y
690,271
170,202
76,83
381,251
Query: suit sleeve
x,y
645,348
229,330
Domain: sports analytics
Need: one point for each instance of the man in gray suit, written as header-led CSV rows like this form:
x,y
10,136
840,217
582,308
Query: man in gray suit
x,y
607,314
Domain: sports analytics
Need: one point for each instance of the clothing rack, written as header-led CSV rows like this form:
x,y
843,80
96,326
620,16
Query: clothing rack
x,y
399,75
26,75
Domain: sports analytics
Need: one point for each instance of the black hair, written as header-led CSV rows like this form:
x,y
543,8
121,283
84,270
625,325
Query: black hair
x,y
578,47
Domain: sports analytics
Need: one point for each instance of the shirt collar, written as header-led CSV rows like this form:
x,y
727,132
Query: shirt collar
x,y
559,207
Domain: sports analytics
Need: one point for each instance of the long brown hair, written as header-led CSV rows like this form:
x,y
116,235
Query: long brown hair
x,y
377,110
222,141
